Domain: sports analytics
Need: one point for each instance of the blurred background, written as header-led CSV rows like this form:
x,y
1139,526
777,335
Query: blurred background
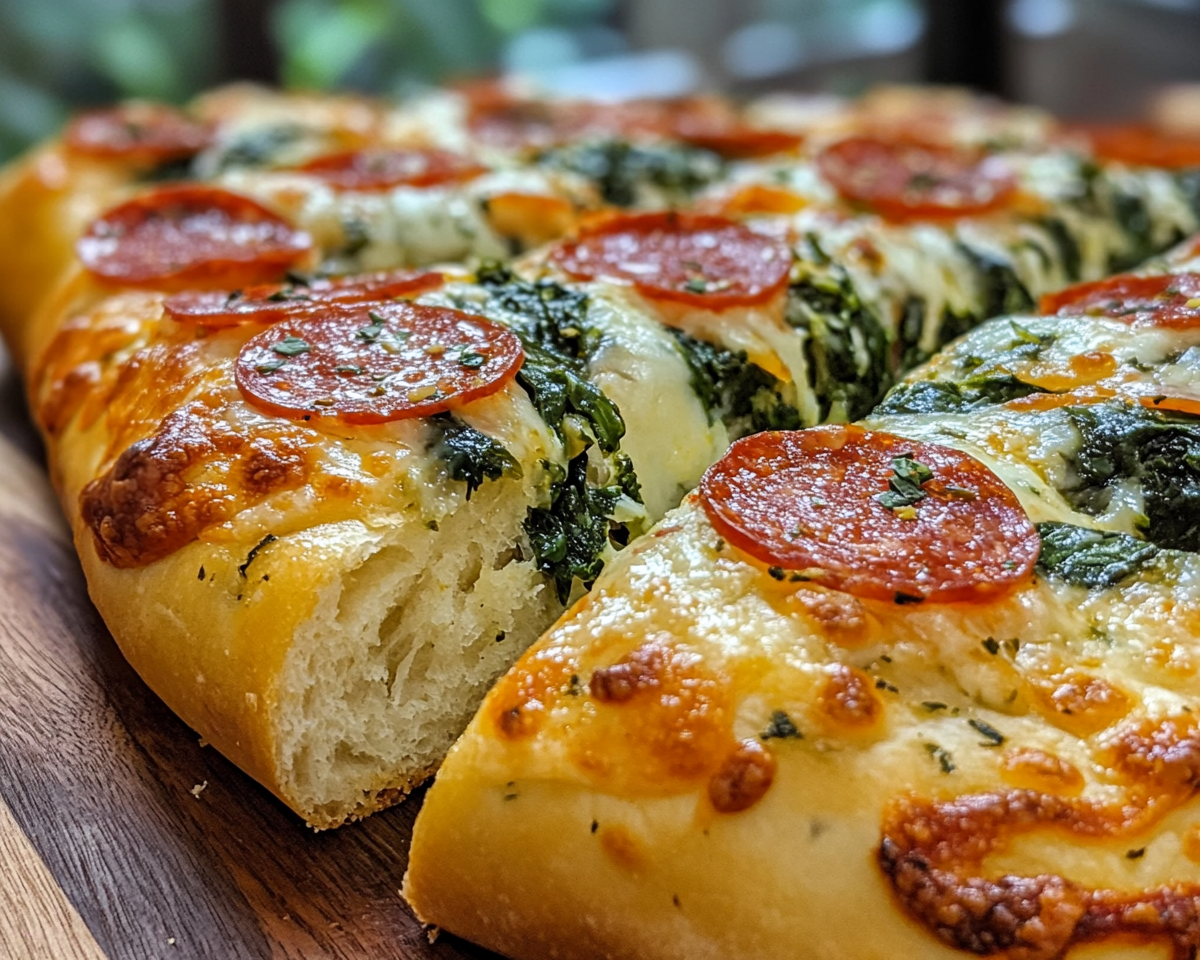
x,y
1082,59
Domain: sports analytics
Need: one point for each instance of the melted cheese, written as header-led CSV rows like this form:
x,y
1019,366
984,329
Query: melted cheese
x,y
639,367
891,761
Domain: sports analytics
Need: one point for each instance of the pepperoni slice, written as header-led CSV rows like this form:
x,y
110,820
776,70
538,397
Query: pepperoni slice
x,y
906,180
1166,300
270,303
505,121
191,234
146,133
703,261
738,141
1143,146
381,168
375,364
816,501
715,126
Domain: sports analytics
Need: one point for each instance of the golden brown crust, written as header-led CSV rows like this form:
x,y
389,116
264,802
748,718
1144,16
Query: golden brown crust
x,y
858,798
194,472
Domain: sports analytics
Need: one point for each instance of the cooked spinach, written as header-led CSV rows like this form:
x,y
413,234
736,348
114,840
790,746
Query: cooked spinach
x,y
1002,290
550,321
946,396
1069,254
621,171
1130,213
848,352
569,535
553,315
178,168
471,457
253,148
1091,558
732,389
1188,182
1159,452
911,331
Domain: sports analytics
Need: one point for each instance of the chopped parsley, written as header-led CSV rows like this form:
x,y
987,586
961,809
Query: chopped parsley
x,y
291,346
781,727
994,736
942,756
904,486
371,333
472,359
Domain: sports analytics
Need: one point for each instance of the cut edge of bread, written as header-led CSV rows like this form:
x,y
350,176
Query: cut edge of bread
x,y
399,651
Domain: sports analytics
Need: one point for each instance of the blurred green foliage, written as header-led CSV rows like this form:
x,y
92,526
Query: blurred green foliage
x,y
392,45
60,55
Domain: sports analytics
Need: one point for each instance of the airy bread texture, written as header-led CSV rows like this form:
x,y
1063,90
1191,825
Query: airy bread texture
x,y
332,630
325,604
338,670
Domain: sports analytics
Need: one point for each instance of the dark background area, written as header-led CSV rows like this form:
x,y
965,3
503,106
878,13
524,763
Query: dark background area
x,y
1078,58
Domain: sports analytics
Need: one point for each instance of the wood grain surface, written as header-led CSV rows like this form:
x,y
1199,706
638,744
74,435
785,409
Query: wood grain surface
x,y
106,849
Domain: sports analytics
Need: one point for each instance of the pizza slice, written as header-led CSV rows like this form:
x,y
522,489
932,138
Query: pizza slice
x,y
919,687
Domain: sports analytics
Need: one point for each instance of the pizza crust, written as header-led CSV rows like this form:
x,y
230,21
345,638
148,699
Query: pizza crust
x,y
587,833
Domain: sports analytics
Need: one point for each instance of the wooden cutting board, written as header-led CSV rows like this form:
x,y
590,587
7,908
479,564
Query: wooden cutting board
x,y
120,835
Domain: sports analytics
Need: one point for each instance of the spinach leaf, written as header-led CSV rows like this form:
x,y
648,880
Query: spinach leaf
x,y
1188,184
1069,254
471,457
951,326
550,314
621,170
1003,292
1091,558
167,171
1130,213
848,351
570,535
946,396
1159,452
732,389
255,147
551,322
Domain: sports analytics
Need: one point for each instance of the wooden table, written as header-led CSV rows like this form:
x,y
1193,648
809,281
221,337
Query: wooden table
x,y
108,846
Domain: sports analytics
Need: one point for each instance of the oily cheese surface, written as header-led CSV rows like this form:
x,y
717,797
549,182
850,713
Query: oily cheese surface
x,y
887,717
712,757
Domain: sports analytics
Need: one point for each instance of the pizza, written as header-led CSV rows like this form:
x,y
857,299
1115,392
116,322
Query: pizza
x,y
347,402
917,687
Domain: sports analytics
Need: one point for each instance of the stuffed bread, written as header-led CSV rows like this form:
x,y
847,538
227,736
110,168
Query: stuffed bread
x,y
422,547
918,688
